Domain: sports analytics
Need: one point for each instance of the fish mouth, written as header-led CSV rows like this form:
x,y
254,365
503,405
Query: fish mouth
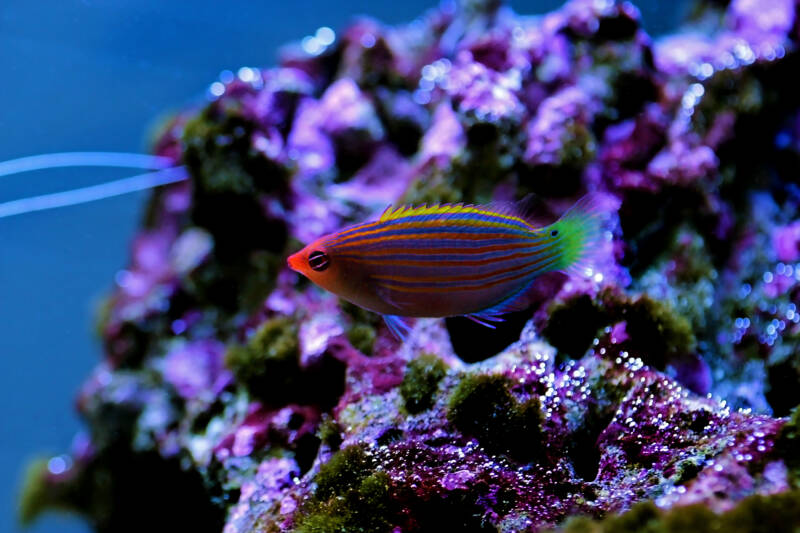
x,y
295,262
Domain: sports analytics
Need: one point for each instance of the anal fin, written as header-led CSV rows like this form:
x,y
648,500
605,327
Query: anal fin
x,y
484,320
516,302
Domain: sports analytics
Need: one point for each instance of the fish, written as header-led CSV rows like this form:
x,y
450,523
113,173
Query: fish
x,y
477,261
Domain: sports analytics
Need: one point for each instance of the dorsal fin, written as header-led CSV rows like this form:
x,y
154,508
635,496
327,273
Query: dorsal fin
x,y
395,213
519,211
529,208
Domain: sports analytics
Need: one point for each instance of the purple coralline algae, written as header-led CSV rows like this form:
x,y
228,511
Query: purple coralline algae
x,y
656,394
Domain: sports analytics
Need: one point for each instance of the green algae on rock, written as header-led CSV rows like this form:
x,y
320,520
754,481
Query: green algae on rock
x,y
420,382
778,513
268,363
350,496
483,406
646,326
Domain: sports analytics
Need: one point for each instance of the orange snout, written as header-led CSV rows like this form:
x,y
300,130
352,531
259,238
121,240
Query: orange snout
x,y
296,262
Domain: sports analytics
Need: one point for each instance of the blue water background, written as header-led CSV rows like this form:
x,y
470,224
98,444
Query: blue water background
x,y
96,75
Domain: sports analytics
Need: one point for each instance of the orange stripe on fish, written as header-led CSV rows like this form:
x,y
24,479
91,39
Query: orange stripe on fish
x,y
473,277
454,288
373,259
412,236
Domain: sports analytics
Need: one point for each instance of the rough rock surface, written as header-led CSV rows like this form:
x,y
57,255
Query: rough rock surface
x,y
235,396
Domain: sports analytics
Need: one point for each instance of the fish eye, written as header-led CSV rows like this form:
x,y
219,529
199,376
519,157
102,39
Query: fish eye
x,y
318,260
554,233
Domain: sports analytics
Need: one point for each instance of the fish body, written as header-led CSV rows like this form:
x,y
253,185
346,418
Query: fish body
x,y
448,260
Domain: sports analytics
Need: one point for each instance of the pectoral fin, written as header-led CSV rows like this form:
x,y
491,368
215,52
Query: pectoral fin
x,y
400,326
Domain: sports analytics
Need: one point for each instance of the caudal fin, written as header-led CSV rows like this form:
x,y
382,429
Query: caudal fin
x,y
582,235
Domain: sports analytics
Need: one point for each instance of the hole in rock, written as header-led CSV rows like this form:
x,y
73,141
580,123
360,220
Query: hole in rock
x,y
389,436
585,456
550,182
458,512
481,134
783,393
174,499
295,421
473,342
583,449
306,450
238,225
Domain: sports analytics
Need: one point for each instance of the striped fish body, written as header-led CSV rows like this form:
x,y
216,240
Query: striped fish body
x,y
445,260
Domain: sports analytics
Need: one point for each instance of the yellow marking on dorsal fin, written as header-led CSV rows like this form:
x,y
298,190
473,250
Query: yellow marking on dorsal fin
x,y
443,209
